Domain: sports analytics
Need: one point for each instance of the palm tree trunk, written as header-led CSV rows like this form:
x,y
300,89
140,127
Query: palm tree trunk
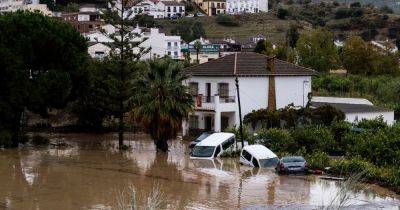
x,y
161,145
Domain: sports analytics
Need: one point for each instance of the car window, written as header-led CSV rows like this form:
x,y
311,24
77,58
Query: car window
x,y
228,143
246,155
217,151
203,151
292,159
272,162
255,162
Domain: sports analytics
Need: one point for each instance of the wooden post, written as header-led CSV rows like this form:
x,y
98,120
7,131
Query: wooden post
x,y
240,112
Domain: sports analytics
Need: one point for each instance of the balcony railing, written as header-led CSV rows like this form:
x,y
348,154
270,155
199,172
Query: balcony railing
x,y
227,99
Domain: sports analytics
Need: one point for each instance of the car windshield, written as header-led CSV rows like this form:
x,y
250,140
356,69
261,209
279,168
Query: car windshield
x,y
203,151
202,137
292,159
271,162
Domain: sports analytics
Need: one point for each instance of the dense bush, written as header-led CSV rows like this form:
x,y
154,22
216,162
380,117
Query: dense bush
x,y
278,140
282,13
290,117
313,138
226,20
318,160
5,138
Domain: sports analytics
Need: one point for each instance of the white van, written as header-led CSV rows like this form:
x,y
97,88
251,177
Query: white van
x,y
258,156
213,145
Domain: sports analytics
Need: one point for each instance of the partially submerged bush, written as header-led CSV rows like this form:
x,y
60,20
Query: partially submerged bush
x,y
5,139
39,140
318,160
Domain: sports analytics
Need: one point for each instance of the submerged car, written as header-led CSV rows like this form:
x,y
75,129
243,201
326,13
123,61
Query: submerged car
x,y
292,164
258,156
213,146
200,138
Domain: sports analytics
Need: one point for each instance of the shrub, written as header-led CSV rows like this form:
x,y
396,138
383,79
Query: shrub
x,y
278,140
5,139
39,140
226,20
318,160
375,124
282,13
349,167
314,138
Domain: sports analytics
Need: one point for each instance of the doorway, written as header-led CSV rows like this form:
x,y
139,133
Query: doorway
x,y
208,123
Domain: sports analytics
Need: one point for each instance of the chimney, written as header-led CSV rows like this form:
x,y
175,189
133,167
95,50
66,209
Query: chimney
x,y
271,84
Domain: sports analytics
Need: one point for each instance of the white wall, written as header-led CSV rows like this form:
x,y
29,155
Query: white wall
x,y
340,100
388,117
290,89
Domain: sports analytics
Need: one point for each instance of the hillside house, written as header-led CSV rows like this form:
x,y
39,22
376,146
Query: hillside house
x,y
263,81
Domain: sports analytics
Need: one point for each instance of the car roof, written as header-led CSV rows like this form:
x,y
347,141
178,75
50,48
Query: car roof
x,y
216,139
259,151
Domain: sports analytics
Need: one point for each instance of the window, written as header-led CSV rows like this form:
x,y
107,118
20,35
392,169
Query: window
x,y
169,44
175,54
218,5
169,52
176,44
255,163
228,143
203,151
193,121
246,155
99,55
223,90
174,9
169,9
194,88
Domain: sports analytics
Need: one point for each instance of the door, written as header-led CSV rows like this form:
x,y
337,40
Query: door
x,y
224,123
208,123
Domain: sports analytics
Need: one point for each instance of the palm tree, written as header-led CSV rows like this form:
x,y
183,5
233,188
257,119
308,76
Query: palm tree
x,y
161,100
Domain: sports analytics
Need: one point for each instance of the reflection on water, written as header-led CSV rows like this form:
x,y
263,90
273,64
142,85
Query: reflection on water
x,y
91,171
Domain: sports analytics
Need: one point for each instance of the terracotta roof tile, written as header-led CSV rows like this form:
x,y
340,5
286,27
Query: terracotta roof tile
x,y
247,64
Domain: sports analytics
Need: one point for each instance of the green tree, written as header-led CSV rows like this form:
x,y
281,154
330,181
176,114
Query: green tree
x,y
360,57
264,47
42,66
197,46
125,54
317,50
292,35
161,101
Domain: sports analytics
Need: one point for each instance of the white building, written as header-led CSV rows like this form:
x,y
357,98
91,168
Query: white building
x,y
160,45
172,8
11,5
98,50
213,87
14,5
208,51
355,109
246,6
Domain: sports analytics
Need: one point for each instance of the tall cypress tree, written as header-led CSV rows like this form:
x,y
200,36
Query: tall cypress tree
x,y
124,56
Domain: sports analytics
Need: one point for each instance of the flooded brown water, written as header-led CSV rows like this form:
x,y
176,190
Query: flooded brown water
x,y
92,174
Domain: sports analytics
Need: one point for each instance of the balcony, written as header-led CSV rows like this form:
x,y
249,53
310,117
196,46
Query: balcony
x,y
215,103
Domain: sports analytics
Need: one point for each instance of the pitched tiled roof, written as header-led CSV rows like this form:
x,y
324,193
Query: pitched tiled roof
x,y
247,64
352,108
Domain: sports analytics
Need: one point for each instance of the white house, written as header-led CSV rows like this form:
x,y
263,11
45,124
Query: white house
x,y
14,5
171,8
246,6
208,51
355,109
263,82
98,50
160,45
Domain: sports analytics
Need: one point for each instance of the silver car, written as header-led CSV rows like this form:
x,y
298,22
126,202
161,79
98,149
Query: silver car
x,y
292,164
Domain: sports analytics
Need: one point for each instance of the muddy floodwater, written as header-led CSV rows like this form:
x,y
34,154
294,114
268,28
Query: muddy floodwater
x,y
92,174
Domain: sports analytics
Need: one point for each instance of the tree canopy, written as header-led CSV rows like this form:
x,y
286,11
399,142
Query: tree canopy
x,y
42,66
318,51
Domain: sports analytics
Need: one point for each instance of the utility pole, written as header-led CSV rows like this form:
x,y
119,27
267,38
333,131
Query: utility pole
x,y
240,111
